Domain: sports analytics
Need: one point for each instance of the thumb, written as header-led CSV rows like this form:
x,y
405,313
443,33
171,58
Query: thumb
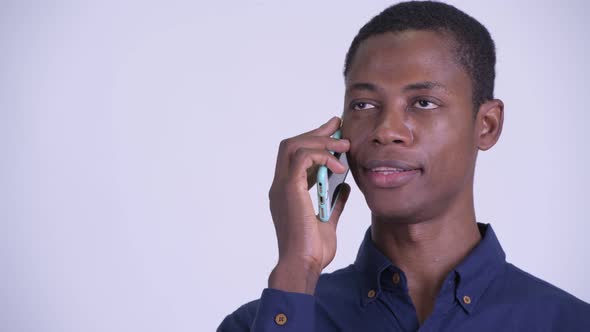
x,y
341,198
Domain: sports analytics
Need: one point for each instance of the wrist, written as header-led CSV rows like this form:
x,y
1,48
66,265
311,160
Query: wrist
x,y
294,277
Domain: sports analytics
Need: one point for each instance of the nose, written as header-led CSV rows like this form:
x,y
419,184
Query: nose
x,y
392,127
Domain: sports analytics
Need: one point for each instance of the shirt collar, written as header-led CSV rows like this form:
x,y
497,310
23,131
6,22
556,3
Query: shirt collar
x,y
472,275
370,262
479,268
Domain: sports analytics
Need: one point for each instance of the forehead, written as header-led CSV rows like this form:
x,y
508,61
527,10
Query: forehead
x,y
402,58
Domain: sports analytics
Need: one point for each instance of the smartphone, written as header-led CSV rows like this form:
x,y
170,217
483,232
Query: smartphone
x,y
328,184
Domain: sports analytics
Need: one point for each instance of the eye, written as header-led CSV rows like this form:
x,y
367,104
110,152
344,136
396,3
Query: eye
x,y
425,104
360,106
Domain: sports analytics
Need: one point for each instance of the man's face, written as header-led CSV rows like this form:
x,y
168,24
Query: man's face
x,y
408,107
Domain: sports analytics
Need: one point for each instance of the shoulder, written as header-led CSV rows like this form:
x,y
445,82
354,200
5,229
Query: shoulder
x,y
529,286
542,301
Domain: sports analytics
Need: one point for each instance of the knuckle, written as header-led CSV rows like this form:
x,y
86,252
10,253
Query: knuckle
x,y
333,161
300,155
287,144
301,152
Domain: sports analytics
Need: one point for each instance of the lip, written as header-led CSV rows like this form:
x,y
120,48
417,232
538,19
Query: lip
x,y
384,179
406,166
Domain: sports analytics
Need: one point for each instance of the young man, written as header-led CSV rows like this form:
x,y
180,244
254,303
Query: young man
x,y
419,106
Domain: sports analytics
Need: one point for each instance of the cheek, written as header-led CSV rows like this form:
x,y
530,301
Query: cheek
x,y
353,131
450,150
346,124
351,156
357,146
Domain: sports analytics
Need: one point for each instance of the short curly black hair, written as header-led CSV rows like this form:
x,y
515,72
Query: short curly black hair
x,y
474,47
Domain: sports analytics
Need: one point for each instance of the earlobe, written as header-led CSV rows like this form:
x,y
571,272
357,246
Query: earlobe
x,y
490,119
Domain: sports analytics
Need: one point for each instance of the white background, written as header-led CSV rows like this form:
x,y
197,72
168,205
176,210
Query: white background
x,y
138,142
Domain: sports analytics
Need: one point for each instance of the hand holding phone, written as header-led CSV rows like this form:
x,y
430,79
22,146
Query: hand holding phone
x,y
306,246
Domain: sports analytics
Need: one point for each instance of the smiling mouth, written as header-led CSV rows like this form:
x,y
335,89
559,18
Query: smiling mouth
x,y
390,174
389,170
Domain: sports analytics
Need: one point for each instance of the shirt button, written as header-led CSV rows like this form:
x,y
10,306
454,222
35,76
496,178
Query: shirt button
x,y
281,319
396,278
371,294
466,299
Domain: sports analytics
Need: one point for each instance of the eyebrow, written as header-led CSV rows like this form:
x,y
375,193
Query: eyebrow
x,y
425,85
363,86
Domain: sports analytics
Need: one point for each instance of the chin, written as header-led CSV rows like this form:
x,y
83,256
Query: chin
x,y
406,211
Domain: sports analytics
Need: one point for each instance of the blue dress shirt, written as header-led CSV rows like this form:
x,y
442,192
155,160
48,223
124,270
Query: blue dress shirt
x,y
483,293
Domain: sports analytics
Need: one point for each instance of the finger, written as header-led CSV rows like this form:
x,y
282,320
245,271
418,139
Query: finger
x,y
341,198
289,148
326,129
316,142
312,176
290,145
307,158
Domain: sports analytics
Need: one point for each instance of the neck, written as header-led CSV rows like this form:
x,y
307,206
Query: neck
x,y
428,250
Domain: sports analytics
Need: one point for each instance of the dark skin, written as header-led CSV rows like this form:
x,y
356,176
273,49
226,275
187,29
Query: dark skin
x,y
407,102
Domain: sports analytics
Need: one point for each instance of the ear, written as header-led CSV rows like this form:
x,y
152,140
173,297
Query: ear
x,y
488,123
